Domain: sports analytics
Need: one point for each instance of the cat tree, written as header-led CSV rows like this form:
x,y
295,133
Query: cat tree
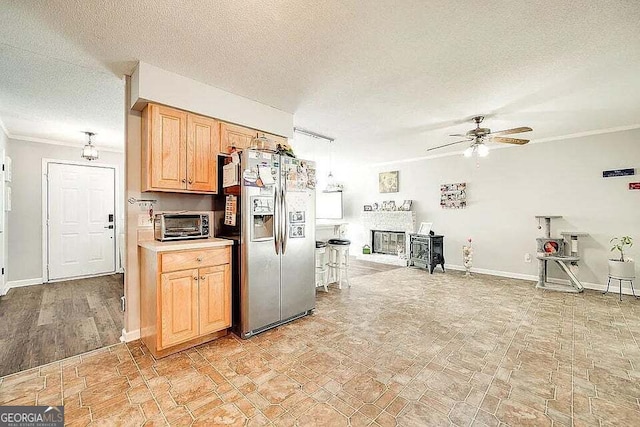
x,y
553,249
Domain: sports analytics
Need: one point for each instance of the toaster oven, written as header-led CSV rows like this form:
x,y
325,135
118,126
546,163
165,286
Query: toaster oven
x,y
181,226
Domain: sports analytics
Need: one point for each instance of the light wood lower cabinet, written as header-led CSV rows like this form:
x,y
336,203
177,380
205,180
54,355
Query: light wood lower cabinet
x,y
185,298
179,307
214,286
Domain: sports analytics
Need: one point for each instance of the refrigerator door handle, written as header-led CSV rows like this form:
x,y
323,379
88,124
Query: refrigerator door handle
x,y
276,222
285,235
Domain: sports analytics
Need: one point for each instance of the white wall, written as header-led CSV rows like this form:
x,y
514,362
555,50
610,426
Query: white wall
x,y
507,190
25,218
149,83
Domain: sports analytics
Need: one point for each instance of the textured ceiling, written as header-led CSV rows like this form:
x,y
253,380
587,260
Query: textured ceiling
x,y
395,77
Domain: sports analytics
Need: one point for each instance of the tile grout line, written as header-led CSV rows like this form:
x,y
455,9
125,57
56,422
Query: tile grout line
x,y
146,383
533,297
236,388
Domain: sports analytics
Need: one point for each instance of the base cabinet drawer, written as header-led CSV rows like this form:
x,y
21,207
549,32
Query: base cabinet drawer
x,y
174,261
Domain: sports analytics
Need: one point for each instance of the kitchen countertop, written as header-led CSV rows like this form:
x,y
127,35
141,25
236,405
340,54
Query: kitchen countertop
x,y
182,245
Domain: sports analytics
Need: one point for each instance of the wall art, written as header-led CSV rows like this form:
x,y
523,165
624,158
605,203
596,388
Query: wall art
x,y
453,196
388,182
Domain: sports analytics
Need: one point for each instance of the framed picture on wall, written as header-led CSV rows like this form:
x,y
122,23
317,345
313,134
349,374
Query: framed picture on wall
x,y
388,182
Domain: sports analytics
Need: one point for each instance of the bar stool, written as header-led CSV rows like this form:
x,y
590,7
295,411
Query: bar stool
x,y
322,278
339,260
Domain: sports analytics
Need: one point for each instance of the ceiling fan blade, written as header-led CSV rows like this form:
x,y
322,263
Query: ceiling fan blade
x,y
509,140
446,145
459,134
510,131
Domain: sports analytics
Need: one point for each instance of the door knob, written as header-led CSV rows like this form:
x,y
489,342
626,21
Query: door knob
x,y
110,227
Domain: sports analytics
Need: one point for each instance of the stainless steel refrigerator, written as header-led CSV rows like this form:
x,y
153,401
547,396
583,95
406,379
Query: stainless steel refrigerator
x,y
276,242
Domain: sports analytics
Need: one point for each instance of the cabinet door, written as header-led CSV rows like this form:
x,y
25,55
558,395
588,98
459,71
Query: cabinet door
x,y
167,147
275,138
235,136
179,307
215,298
203,144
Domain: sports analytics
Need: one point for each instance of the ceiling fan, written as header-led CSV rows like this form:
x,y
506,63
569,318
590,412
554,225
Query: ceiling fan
x,y
479,136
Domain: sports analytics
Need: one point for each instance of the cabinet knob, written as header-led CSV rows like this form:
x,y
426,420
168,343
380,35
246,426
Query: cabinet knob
x,y
190,181
199,259
195,278
201,277
184,180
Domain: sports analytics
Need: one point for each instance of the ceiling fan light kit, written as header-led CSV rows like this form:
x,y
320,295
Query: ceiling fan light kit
x,y
479,136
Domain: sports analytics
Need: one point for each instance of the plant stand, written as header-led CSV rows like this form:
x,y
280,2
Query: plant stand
x,y
620,280
574,284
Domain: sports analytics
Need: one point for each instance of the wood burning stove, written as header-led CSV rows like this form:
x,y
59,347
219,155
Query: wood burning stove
x,y
426,251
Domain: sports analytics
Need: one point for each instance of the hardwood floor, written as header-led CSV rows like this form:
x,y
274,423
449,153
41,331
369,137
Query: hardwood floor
x,y
43,323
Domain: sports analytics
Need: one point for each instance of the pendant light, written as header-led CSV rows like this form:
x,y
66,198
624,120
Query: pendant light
x,y
89,152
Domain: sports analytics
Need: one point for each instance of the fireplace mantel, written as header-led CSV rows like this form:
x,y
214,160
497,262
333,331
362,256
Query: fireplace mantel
x,y
389,221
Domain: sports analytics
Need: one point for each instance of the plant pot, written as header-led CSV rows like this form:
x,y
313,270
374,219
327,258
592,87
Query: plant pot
x,y
622,270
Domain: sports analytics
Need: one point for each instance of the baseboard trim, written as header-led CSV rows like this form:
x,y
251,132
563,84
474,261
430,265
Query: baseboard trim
x,y
21,283
130,335
614,288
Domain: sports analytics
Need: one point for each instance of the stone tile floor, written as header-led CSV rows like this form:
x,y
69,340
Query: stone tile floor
x,y
401,347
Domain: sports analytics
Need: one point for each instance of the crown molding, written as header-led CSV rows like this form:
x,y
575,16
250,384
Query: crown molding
x,y
4,128
60,143
533,141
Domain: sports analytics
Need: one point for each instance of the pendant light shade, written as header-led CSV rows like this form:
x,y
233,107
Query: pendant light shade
x,y
89,152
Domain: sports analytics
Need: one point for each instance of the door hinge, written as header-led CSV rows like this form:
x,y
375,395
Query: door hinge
x,y
3,271
124,303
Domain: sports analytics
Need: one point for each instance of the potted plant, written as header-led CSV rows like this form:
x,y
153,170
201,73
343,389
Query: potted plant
x,y
622,268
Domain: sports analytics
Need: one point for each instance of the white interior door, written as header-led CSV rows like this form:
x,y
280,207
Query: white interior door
x,y
81,220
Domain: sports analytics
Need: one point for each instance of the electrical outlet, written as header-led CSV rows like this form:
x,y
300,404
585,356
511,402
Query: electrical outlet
x,y
144,220
527,257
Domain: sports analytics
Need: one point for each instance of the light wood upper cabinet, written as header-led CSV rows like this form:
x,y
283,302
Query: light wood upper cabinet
x,y
164,151
202,153
179,151
179,305
215,298
234,136
275,138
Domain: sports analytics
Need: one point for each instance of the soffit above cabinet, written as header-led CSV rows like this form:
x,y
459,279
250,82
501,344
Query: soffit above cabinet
x,y
153,84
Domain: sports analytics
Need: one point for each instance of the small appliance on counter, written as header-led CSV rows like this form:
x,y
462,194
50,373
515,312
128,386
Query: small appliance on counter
x,y
182,226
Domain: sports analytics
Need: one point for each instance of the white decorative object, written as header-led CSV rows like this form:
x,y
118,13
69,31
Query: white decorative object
x,y
622,268
625,270
425,228
467,257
